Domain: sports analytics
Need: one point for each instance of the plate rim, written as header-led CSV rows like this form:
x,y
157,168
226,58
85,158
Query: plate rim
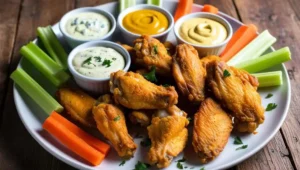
x,y
70,162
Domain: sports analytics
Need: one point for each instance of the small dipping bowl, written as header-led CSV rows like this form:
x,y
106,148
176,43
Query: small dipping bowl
x,y
204,50
129,37
73,41
91,84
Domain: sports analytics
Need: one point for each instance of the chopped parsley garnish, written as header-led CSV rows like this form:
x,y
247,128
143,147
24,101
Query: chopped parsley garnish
x,y
141,166
166,85
117,118
237,141
242,147
271,106
122,163
87,61
151,75
202,168
226,73
155,49
189,118
179,165
114,58
74,22
106,63
98,58
269,95
146,142
181,160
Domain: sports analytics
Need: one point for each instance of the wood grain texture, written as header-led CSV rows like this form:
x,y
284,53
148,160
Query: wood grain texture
x,y
18,150
9,13
282,20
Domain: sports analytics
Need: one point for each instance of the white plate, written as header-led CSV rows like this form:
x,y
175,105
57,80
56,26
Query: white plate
x,y
32,117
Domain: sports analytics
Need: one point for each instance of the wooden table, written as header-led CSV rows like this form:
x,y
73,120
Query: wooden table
x,y
20,18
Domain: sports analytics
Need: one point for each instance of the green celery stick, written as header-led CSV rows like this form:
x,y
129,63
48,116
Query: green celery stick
x,y
35,91
54,72
123,4
254,49
155,2
266,61
53,46
269,79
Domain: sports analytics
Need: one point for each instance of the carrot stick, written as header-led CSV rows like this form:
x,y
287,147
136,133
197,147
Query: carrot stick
x,y
244,35
184,7
73,142
210,9
91,140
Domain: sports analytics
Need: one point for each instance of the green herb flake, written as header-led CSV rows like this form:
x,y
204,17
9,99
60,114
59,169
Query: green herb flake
x,y
202,168
151,75
106,63
189,119
179,165
242,147
226,73
141,166
114,58
238,141
181,160
269,95
122,163
117,118
97,59
146,142
155,49
166,85
271,106
87,61
185,167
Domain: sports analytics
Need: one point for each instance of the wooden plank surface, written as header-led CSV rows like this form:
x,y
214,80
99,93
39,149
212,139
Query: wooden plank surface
x,y
281,18
18,150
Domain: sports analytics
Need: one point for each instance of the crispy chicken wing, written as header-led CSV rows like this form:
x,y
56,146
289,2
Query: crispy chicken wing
x,y
78,105
212,127
168,136
189,73
238,93
141,117
150,52
133,91
111,123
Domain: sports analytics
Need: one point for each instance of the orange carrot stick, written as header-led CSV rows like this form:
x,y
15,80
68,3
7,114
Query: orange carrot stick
x,y
73,142
91,140
184,7
244,35
210,8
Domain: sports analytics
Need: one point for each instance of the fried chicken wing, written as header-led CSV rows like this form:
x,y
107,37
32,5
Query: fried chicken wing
x,y
189,73
212,127
111,123
78,105
151,52
238,93
168,136
141,117
133,91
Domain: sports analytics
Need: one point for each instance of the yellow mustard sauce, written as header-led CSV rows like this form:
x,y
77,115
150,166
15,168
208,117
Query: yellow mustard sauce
x,y
203,31
146,21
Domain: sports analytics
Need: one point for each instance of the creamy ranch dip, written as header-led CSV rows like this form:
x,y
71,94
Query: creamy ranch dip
x,y
98,62
88,25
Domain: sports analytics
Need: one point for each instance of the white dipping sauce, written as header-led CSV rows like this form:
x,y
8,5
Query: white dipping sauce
x,y
98,62
88,25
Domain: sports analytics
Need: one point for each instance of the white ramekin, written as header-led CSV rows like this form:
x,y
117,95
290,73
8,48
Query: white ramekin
x,y
205,50
129,37
73,42
96,85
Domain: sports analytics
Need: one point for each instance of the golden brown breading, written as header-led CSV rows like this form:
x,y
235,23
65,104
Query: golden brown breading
x,y
212,127
133,91
141,117
189,73
238,93
111,123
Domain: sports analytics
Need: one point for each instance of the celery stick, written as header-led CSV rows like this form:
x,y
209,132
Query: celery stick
x,y
266,61
254,49
54,72
53,46
155,2
268,79
125,4
35,91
